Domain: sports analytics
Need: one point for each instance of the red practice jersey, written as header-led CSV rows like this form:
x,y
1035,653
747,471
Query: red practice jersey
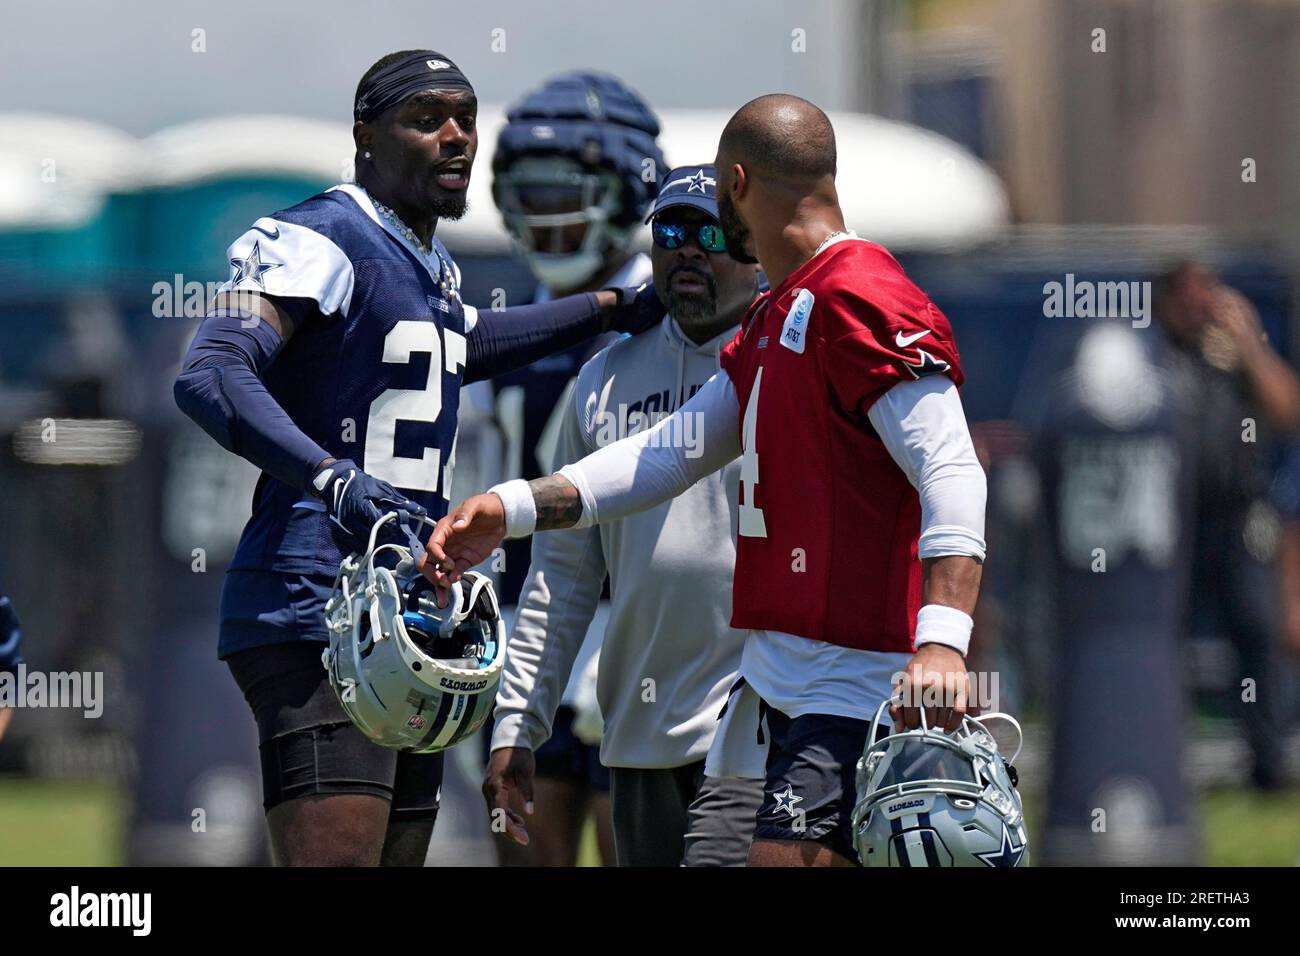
x,y
828,528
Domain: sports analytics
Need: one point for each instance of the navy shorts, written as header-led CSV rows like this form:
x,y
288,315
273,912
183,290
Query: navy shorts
x,y
308,744
271,607
811,784
565,756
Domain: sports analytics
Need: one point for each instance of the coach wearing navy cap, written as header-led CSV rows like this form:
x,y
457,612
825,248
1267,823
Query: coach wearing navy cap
x,y
688,255
669,655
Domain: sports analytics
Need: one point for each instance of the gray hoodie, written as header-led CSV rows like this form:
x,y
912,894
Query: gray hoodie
x,y
669,654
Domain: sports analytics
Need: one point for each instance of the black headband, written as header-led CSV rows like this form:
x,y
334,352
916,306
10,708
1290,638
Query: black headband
x,y
421,70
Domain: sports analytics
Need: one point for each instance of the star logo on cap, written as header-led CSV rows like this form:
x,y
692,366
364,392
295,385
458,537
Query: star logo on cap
x,y
252,267
696,182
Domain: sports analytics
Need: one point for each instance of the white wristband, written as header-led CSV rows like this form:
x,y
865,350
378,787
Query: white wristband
x,y
940,624
521,510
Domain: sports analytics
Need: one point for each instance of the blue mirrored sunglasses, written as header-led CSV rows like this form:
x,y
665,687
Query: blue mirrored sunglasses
x,y
673,235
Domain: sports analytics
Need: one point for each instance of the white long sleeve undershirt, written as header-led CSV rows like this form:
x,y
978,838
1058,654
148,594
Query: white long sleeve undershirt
x,y
921,423
655,465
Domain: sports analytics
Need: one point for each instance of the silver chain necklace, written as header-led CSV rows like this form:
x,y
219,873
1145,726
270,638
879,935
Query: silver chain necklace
x,y
828,240
402,228
445,282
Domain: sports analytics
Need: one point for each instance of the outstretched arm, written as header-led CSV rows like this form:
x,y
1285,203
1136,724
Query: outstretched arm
x,y
220,387
620,479
503,341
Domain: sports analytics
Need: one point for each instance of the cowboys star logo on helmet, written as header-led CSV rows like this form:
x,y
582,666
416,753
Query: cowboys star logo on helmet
x,y
411,675
927,798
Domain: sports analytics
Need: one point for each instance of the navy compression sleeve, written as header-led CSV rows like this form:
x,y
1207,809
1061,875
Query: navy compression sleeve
x,y
221,389
503,341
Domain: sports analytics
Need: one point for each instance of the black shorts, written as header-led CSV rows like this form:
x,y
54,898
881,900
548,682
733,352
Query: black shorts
x,y
811,781
307,743
564,756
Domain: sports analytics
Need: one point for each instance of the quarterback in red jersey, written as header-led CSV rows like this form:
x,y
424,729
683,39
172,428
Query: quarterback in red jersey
x,y
813,356
860,525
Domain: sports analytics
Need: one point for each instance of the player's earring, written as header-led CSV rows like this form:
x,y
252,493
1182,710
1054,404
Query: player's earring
x,y
367,154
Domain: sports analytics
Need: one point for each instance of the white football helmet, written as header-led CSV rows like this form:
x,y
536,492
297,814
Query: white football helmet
x,y
411,675
927,798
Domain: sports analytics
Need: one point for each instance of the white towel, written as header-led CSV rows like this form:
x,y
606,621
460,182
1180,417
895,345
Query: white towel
x,y
736,751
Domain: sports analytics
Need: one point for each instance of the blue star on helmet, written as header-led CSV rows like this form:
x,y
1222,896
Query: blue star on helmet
x,y
696,182
252,267
1006,855
785,800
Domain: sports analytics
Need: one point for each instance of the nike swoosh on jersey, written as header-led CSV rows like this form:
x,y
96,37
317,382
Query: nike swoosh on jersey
x,y
267,232
903,341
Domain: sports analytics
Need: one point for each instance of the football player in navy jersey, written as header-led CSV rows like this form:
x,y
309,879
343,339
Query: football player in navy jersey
x,y
10,641
333,360
575,169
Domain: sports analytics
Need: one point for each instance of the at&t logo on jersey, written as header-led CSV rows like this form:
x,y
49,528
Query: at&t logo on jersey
x,y
794,333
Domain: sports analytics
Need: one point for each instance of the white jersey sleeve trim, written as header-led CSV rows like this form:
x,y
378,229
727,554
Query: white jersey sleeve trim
x,y
471,318
284,259
924,428
652,466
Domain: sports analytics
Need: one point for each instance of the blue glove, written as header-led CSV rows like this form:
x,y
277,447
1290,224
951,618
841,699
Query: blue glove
x,y
355,501
639,308
11,637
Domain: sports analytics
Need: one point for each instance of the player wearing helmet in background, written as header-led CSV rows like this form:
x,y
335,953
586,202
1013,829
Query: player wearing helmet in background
x,y
575,170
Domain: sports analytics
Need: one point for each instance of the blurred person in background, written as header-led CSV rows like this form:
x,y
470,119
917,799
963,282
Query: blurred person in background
x,y
669,654
575,169
1110,451
1286,498
11,637
1242,395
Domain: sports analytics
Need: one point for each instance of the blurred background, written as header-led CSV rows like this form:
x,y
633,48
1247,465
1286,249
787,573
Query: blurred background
x,y
1102,195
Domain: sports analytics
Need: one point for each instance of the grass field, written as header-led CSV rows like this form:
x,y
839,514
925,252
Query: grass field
x,y
61,823
77,823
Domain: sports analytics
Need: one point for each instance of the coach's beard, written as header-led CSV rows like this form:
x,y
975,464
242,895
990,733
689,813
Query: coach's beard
x,y
693,308
734,230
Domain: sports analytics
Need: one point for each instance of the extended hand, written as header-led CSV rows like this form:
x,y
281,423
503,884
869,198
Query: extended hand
x,y
465,537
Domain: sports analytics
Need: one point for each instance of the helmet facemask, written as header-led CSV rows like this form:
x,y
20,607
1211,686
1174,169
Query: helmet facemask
x,y
562,217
